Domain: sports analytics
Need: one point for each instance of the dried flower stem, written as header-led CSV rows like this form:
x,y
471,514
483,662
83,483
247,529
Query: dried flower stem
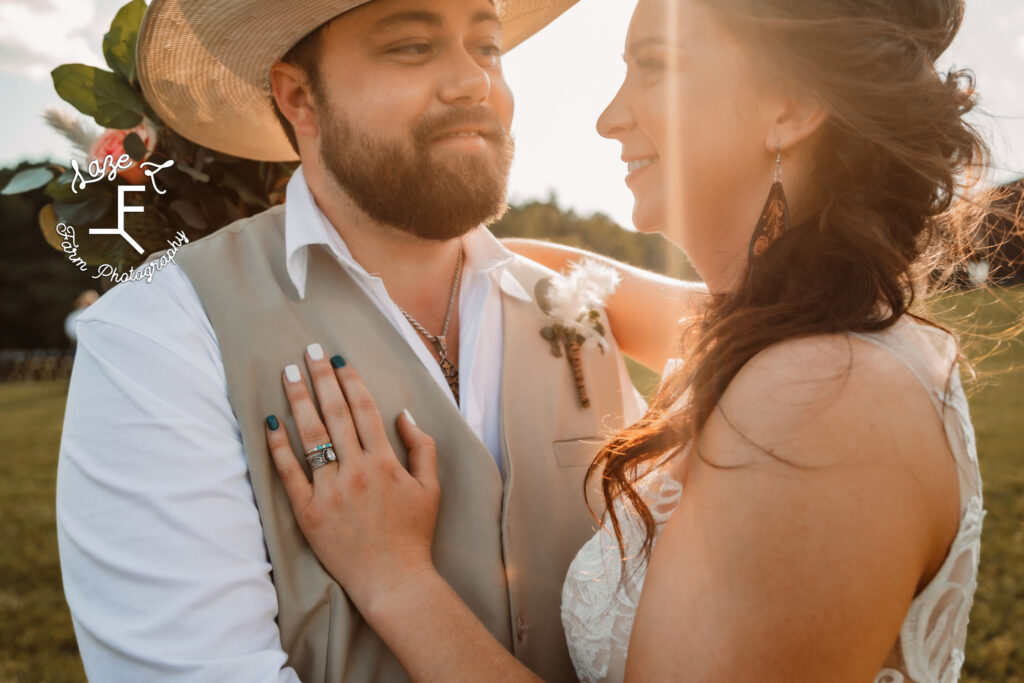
x,y
574,352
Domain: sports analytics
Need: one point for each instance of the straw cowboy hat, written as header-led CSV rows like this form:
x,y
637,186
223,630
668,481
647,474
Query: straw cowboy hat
x,y
204,64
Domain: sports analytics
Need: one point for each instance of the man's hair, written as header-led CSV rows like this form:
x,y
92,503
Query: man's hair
x,y
305,54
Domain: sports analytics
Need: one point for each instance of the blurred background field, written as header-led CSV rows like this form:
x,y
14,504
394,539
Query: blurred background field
x,y
37,642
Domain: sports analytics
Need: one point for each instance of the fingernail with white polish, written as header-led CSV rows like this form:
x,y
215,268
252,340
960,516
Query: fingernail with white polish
x,y
292,373
408,416
315,351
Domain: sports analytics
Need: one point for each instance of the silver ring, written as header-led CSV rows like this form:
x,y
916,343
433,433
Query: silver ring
x,y
320,456
320,459
317,449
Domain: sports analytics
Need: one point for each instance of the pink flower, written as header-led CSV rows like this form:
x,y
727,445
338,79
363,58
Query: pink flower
x,y
111,143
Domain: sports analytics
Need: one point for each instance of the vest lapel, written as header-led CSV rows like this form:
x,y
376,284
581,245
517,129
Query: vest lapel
x,y
391,370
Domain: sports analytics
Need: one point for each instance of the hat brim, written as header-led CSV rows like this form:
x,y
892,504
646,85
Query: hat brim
x,y
204,65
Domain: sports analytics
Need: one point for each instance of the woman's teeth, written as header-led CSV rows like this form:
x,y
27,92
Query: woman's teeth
x,y
640,163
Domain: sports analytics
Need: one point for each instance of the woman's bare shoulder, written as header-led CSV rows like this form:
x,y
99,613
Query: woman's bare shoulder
x,y
826,399
818,522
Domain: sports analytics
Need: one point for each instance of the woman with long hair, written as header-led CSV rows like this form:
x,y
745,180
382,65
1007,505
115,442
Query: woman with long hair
x,y
802,500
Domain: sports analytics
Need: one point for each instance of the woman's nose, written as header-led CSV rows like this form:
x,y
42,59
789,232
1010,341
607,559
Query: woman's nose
x,y
617,117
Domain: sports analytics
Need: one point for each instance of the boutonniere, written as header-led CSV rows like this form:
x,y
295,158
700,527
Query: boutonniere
x,y
573,301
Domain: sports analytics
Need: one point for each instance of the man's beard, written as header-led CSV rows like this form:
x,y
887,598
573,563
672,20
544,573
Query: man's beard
x,y
416,190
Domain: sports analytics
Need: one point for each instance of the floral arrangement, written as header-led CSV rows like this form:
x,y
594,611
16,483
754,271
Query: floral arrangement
x,y
200,191
573,301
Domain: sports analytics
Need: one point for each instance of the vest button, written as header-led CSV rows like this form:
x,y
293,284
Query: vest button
x,y
520,628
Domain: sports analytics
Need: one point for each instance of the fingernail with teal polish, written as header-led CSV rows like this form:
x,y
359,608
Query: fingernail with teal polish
x,y
337,361
272,422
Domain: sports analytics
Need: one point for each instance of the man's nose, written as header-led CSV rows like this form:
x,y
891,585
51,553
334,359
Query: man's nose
x,y
467,81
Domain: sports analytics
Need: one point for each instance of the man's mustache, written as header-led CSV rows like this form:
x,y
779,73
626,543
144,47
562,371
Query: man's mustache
x,y
491,127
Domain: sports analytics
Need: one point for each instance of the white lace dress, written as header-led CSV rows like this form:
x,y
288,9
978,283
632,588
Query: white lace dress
x,y
598,616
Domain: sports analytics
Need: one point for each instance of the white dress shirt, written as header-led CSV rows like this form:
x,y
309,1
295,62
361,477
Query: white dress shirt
x,y
161,548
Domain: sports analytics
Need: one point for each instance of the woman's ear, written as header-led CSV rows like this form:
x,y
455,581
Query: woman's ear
x,y
798,119
294,97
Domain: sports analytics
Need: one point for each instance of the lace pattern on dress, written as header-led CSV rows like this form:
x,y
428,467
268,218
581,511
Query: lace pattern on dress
x,y
931,641
598,614
598,610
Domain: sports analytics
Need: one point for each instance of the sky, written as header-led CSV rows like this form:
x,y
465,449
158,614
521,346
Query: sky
x,y
562,78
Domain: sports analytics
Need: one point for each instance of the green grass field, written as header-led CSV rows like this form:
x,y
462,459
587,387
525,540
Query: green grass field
x,y
37,643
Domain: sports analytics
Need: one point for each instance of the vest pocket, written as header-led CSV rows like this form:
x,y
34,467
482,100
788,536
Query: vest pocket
x,y
577,452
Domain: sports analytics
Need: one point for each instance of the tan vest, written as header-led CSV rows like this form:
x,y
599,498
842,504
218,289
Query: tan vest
x,y
504,549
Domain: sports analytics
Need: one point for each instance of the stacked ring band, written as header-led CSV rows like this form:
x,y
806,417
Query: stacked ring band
x,y
319,456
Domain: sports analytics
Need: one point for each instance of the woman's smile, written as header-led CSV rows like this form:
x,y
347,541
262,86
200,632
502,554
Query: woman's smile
x,y
636,167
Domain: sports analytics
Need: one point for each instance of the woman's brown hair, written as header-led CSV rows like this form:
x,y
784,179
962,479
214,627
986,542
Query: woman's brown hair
x,y
895,209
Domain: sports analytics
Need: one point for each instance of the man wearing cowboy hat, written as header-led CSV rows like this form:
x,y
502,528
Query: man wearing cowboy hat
x,y
180,554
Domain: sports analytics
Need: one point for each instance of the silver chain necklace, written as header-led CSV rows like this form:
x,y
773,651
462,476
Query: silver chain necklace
x,y
440,342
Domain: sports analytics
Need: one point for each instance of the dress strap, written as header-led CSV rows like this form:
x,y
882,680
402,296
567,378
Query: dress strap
x,y
929,353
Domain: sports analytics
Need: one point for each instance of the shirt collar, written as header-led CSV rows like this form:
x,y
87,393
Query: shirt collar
x,y
306,225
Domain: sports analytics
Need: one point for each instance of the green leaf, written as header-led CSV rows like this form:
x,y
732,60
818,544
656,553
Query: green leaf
x,y
189,213
28,180
134,147
60,190
100,94
244,193
82,213
119,41
548,333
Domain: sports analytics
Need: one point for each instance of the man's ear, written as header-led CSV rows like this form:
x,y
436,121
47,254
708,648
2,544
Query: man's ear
x,y
294,97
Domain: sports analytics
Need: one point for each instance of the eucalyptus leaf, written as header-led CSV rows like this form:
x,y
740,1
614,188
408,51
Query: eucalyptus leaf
x,y
28,180
152,116
48,226
59,189
119,41
134,147
231,210
90,248
189,213
244,193
103,95
84,212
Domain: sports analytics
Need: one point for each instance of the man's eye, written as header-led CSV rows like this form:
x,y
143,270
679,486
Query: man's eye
x,y
491,50
413,49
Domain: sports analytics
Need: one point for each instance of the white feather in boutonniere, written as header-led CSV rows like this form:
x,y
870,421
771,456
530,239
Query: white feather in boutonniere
x,y
573,301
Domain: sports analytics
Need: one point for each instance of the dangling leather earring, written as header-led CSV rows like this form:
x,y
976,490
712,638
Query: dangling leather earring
x,y
774,218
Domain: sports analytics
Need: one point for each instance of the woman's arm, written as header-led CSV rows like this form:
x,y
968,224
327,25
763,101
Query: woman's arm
x,y
437,638
644,311
370,522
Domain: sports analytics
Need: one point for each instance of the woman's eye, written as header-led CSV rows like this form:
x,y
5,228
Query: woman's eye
x,y
491,50
650,64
